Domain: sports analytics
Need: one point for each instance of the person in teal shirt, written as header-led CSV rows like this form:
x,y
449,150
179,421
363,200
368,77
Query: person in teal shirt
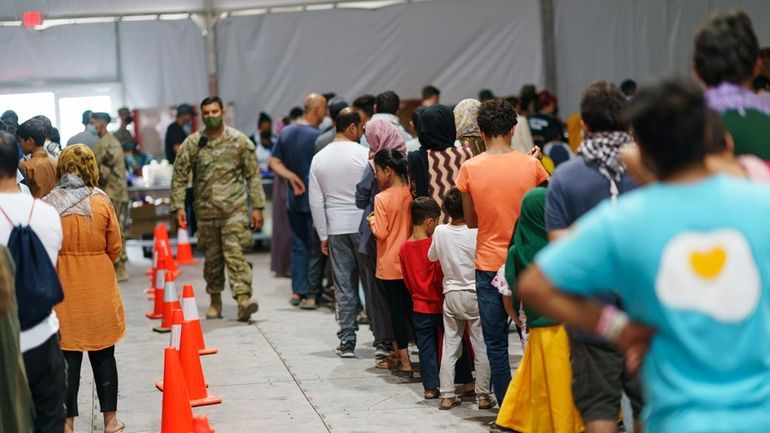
x,y
688,259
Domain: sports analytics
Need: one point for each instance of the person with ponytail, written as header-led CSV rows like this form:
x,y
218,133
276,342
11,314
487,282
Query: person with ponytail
x,y
391,225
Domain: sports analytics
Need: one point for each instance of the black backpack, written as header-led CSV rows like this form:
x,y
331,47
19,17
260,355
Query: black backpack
x,y
37,284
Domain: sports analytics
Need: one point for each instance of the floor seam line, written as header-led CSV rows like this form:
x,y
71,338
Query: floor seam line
x,y
294,377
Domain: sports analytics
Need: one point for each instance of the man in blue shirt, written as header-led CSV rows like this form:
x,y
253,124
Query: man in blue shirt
x,y
688,259
291,159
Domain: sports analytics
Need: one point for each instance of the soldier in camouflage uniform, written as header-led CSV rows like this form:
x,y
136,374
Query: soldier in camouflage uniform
x,y
221,158
112,180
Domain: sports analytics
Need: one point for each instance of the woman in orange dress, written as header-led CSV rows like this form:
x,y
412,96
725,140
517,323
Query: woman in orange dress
x,y
91,315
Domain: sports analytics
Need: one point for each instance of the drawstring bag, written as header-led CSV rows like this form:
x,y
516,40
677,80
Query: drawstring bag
x,y
38,288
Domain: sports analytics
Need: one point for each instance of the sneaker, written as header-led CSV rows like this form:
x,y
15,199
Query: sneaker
x,y
383,351
346,349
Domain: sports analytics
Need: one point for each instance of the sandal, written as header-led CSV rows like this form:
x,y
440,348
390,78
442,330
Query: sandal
x,y
295,300
431,394
486,403
449,403
386,363
119,429
400,372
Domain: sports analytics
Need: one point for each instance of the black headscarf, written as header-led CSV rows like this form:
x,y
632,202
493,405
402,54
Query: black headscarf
x,y
437,128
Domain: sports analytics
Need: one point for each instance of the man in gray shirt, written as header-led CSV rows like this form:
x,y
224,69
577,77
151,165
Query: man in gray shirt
x,y
88,136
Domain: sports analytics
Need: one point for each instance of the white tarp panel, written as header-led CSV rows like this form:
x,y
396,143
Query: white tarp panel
x,y
644,40
269,62
162,63
65,53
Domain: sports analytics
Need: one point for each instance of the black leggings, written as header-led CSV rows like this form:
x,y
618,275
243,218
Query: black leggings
x,y
400,310
105,376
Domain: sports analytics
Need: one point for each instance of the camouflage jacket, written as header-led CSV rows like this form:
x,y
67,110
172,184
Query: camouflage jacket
x,y
218,171
112,168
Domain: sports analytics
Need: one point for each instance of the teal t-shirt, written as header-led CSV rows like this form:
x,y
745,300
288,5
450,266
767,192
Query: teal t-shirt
x,y
693,261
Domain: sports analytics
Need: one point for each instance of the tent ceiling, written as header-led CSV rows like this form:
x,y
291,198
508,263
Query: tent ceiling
x,y
11,10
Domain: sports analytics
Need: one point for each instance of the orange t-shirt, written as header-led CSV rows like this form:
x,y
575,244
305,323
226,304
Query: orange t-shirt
x,y
497,184
392,226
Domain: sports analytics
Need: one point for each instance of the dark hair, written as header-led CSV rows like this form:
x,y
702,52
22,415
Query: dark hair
x,y
453,203
628,87
366,103
485,95
329,96
264,117
669,120
55,136
496,117
514,101
46,123
9,155
726,48
761,83
86,118
601,107
416,117
296,113
429,92
346,118
388,102
528,95
34,129
336,106
393,159
10,117
185,109
212,100
423,208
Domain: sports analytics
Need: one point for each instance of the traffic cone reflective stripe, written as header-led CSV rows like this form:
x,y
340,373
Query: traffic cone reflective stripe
x,y
184,255
164,250
155,239
190,308
157,313
193,372
170,303
176,414
175,338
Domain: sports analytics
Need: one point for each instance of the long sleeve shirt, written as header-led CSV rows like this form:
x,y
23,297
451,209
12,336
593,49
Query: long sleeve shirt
x,y
334,173
219,171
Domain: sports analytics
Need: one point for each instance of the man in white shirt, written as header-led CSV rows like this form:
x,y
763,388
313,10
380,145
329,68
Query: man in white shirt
x,y
39,343
334,173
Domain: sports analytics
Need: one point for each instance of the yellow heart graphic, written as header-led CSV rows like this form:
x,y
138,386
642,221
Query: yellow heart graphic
x,y
708,265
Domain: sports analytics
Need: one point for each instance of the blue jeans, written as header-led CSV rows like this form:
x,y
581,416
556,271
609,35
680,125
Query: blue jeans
x,y
426,328
301,225
494,326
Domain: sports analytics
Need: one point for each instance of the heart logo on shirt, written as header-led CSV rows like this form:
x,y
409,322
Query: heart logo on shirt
x,y
708,265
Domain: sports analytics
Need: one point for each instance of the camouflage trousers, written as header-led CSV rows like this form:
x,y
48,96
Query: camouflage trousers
x,y
222,242
121,212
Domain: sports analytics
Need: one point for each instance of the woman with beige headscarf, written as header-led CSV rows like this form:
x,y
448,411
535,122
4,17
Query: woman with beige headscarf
x,y
468,133
91,242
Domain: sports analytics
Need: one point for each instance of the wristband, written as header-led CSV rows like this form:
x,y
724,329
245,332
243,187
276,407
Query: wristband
x,y
611,323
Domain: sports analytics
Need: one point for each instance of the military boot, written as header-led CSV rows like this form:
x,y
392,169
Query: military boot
x,y
246,307
120,272
215,309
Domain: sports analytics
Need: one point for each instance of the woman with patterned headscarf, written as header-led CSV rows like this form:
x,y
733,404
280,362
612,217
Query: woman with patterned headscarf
x,y
468,133
380,134
91,241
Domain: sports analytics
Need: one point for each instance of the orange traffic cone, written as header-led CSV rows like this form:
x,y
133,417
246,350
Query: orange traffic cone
x,y
170,303
155,239
193,372
175,339
184,255
157,312
164,251
156,265
201,424
176,414
190,308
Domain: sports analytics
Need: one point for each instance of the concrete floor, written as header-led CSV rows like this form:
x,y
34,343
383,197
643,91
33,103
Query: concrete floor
x,y
277,375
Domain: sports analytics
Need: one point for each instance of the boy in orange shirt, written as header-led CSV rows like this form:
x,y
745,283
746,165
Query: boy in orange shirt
x,y
492,185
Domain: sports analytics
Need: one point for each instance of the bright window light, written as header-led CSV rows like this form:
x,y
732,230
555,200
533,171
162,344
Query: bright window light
x,y
27,105
71,112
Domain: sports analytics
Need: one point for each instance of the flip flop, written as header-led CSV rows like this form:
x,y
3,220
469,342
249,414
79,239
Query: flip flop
x,y
431,394
119,430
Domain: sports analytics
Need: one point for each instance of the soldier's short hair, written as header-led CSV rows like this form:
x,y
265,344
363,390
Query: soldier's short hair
x,y
211,100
